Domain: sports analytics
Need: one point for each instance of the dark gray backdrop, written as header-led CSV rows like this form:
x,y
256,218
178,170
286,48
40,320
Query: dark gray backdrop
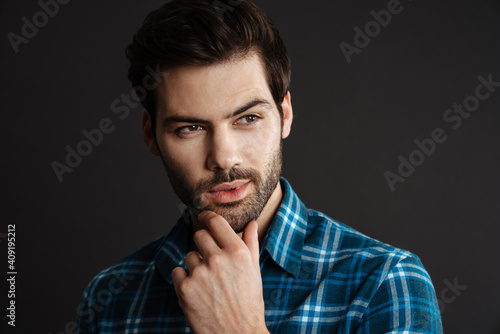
x,y
352,121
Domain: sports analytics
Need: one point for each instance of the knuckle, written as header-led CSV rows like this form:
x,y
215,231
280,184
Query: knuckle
x,y
193,255
185,289
242,255
215,261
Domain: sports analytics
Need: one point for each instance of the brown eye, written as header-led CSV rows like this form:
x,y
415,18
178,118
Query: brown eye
x,y
189,128
189,131
248,119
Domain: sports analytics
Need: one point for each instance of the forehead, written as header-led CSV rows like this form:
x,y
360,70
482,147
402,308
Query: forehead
x,y
213,90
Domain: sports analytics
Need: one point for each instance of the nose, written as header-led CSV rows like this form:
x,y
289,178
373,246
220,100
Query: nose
x,y
223,150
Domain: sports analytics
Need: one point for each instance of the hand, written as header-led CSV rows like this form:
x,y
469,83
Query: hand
x,y
222,290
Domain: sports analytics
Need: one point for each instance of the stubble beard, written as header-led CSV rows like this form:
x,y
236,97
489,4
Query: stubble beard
x,y
239,213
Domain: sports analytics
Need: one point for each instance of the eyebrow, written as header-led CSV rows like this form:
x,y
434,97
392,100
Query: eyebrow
x,y
187,119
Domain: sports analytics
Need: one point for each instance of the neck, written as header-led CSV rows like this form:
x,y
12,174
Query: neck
x,y
269,211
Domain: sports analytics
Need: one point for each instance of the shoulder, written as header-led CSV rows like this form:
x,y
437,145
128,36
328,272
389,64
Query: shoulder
x,y
341,248
384,284
112,293
330,235
124,272
378,288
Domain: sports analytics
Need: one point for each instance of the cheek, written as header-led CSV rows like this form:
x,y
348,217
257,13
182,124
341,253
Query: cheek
x,y
256,148
185,160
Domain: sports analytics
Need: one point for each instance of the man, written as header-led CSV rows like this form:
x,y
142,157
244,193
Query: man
x,y
247,256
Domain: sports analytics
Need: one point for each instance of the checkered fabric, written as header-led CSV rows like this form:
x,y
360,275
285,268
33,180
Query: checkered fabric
x,y
318,275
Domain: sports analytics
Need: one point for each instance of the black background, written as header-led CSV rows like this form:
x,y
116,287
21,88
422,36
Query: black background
x,y
352,121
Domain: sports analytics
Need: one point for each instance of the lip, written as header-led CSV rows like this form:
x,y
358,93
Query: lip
x,y
229,192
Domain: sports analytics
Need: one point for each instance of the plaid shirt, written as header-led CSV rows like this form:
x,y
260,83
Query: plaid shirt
x,y
318,275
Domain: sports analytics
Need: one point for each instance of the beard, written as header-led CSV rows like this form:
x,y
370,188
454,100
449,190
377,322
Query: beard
x,y
239,213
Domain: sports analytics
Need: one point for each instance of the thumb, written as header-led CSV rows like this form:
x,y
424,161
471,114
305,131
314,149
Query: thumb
x,y
251,239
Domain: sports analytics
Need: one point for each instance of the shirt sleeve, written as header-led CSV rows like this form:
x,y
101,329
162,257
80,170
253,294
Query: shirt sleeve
x,y
405,302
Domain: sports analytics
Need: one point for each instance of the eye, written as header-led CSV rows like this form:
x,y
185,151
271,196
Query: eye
x,y
248,119
186,130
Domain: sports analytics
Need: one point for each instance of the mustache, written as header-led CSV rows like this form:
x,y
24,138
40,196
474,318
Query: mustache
x,y
222,176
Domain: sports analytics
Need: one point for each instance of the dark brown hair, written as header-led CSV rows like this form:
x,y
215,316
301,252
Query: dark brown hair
x,y
206,32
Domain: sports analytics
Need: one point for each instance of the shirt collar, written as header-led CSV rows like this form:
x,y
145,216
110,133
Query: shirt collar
x,y
284,240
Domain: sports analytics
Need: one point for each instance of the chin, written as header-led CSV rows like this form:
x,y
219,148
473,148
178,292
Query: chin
x,y
237,219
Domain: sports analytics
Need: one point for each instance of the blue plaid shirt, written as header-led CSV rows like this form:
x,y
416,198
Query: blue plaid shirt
x,y
318,275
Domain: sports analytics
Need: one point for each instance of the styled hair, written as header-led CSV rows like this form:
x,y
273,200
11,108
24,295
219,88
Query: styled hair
x,y
202,33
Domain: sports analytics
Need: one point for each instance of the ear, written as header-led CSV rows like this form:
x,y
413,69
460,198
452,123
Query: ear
x,y
286,106
147,133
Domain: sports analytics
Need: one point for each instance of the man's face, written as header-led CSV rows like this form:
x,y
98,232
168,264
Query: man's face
x,y
219,134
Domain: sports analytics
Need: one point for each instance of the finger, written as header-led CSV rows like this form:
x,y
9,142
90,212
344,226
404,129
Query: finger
x,y
206,243
220,229
178,275
251,239
192,259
